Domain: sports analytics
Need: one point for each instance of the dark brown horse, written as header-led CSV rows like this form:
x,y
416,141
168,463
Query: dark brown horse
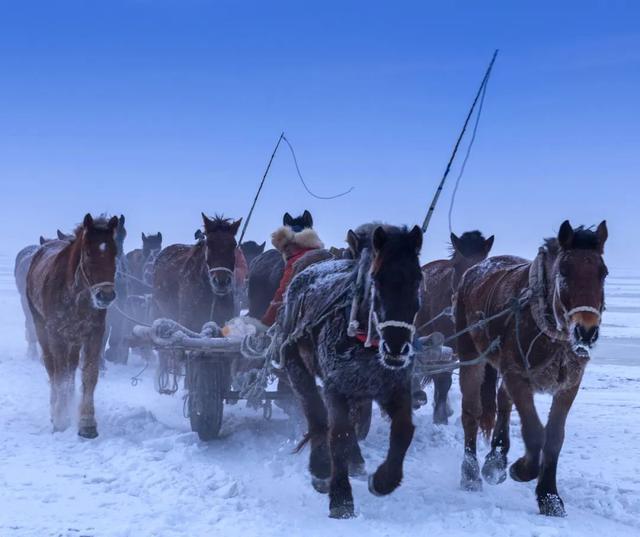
x,y
194,284
441,278
544,347
138,261
319,312
69,287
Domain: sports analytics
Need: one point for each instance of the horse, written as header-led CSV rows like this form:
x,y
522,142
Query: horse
x,y
266,270
319,313
20,271
251,250
441,278
140,263
115,342
555,304
195,284
70,284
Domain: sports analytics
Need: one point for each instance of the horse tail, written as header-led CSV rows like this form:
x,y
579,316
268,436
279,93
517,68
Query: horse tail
x,y
488,394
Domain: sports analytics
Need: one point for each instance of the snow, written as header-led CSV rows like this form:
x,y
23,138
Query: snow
x,y
148,475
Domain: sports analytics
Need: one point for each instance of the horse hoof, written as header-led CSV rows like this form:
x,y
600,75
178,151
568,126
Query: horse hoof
x,y
321,484
357,470
342,511
88,432
517,473
372,488
470,470
551,505
494,469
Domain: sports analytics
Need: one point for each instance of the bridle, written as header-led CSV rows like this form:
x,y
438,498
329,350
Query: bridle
x,y
212,271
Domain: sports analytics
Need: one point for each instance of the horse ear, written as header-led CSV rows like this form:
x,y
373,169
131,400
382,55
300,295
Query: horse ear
x,y
113,222
262,246
565,235
206,221
307,218
488,244
144,237
88,221
353,242
236,226
455,241
379,238
416,235
603,234
121,221
60,235
42,240
159,236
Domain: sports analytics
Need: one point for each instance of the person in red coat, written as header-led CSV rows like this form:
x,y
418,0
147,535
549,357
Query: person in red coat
x,y
293,240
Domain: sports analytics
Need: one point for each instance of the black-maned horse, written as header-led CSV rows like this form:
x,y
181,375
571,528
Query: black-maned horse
x,y
315,330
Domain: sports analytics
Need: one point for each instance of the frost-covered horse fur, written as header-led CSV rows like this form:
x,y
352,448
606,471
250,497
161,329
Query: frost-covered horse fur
x,y
20,271
543,349
441,278
69,287
266,269
314,328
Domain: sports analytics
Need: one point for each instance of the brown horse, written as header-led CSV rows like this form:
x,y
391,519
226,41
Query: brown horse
x,y
544,347
441,278
320,309
69,286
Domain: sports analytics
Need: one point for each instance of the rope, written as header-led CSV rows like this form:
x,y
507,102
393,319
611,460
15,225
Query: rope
x,y
128,317
295,161
466,157
432,207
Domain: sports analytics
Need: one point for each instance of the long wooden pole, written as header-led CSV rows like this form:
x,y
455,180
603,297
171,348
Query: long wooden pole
x,y
434,202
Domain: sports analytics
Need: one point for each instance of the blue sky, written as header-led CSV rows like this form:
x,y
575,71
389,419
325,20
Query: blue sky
x,y
163,109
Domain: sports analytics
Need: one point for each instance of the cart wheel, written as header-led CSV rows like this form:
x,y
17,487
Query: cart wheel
x,y
361,418
208,383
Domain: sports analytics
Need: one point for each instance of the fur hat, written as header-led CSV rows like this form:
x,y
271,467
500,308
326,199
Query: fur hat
x,y
289,242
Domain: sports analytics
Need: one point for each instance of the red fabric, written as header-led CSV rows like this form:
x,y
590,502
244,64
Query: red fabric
x,y
270,316
362,338
241,270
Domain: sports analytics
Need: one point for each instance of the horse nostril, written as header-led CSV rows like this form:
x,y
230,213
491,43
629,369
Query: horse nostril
x,y
406,349
586,335
386,348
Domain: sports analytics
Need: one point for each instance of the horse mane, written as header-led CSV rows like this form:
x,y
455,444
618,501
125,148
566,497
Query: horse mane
x,y
583,239
471,243
100,222
218,223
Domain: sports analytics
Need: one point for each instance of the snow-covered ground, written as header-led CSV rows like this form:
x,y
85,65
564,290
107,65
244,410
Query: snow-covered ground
x,y
148,475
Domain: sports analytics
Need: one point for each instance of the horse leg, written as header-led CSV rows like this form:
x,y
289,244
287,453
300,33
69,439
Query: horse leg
x,y
471,378
117,350
549,501
59,363
526,468
29,328
441,408
494,469
389,474
87,427
304,385
341,436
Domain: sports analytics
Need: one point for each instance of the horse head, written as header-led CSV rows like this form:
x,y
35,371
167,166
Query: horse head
x,y
471,246
251,250
219,246
576,279
395,291
151,244
96,242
